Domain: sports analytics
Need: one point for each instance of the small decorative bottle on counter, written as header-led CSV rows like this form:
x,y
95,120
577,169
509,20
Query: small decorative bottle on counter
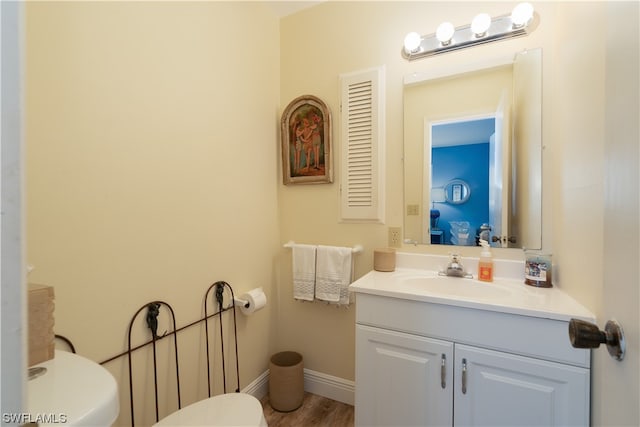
x,y
537,269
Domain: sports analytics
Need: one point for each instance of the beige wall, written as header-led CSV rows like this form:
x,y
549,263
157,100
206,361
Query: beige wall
x,y
151,152
319,44
152,148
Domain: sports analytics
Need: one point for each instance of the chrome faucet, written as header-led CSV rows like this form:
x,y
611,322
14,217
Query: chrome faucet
x,y
455,268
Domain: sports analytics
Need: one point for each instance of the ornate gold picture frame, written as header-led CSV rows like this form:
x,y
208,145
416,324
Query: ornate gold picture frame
x,y
306,142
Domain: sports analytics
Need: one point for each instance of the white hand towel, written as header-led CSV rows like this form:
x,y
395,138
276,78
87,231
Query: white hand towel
x,y
333,274
304,271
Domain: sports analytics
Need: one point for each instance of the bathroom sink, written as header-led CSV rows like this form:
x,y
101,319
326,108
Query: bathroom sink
x,y
416,278
430,282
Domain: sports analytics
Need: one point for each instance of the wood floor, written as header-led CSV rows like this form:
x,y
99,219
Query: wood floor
x,y
316,411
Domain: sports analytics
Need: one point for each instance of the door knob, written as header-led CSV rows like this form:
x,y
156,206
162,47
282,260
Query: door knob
x,y
587,335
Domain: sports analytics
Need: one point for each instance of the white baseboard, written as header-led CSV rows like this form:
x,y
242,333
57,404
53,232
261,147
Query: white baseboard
x,y
315,382
258,387
334,388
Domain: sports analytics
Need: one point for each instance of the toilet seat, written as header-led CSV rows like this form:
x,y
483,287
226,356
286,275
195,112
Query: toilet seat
x,y
224,410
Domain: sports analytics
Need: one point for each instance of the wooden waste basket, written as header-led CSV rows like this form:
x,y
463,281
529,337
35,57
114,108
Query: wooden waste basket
x,y
286,381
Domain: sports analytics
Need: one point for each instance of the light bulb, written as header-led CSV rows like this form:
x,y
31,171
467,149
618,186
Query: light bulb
x,y
480,24
522,14
444,33
412,42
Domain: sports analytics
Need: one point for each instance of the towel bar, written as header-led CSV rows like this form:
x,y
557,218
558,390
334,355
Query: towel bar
x,y
356,249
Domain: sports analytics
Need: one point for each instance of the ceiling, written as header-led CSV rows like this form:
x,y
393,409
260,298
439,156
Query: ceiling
x,y
284,8
463,132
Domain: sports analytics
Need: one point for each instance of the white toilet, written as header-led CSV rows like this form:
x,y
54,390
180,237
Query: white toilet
x,y
224,410
72,390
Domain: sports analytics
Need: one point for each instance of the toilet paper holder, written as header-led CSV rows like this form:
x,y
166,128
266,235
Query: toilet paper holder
x,y
584,334
239,302
251,301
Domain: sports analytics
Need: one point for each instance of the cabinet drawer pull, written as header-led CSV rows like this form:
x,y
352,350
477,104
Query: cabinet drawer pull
x,y
443,372
464,376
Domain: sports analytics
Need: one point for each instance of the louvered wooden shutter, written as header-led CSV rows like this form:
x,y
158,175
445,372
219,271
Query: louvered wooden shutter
x,y
362,136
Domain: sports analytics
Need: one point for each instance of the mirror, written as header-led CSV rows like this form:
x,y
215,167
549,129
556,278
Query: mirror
x,y
473,154
456,192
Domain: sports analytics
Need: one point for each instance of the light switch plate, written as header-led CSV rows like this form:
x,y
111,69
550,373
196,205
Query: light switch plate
x,y
413,209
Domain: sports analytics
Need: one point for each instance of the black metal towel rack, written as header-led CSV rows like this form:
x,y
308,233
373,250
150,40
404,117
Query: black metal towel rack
x,y
152,313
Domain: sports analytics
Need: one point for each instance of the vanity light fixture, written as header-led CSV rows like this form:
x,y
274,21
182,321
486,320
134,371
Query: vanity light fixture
x,y
412,41
521,14
445,33
480,25
483,29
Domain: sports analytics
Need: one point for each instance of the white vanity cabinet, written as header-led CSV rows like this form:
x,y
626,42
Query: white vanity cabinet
x,y
402,379
502,389
422,363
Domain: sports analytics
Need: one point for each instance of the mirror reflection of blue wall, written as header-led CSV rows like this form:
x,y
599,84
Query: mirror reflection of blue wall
x,y
460,150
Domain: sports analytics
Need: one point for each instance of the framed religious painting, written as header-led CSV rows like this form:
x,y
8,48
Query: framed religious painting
x,y
306,142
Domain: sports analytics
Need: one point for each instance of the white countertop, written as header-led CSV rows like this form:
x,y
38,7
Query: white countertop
x,y
505,294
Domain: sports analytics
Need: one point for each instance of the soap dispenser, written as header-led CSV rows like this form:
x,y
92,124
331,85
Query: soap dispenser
x,y
485,264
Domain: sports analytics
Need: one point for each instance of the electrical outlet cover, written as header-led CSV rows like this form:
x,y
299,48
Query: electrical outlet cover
x,y
395,237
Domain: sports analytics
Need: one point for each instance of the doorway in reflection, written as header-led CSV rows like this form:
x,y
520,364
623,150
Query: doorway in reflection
x,y
461,179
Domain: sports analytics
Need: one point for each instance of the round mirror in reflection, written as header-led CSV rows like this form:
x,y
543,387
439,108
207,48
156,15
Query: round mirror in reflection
x,y
457,191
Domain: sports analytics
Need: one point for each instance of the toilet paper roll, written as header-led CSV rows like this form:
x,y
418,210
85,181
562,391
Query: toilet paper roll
x,y
251,301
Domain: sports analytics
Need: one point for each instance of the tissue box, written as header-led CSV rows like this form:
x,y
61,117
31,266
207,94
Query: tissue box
x,y
40,315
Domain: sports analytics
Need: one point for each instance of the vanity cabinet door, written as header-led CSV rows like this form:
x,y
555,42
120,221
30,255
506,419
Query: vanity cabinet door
x,y
402,379
500,389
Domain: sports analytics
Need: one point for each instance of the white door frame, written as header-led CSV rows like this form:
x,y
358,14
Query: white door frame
x,y
13,369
